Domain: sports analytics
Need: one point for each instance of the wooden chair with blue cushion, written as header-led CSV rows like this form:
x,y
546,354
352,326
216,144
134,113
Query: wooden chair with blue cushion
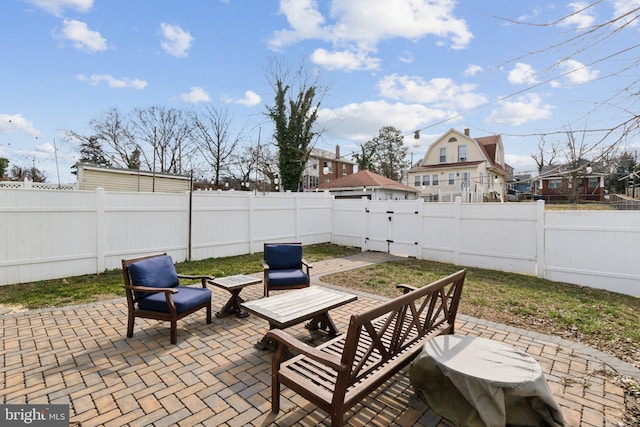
x,y
284,267
153,292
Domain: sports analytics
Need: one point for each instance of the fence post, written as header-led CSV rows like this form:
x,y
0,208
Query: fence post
x,y
540,244
420,227
100,231
457,214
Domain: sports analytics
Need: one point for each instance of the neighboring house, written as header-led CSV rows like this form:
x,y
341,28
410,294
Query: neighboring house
x,y
370,185
458,165
323,167
556,182
91,177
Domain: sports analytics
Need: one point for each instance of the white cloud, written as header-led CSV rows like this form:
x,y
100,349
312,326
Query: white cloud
x,y
357,33
195,95
17,123
250,99
575,72
578,17
96,79
177,41
472,70
344,60
622,8
56,7
82,37
362,121
527,108
522,74
441,92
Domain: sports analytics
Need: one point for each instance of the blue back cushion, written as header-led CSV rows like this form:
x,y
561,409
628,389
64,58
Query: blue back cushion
x,y
283,257
157,272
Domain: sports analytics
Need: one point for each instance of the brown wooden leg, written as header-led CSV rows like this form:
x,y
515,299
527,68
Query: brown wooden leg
x,y
209,313
174,331
130,324
324,323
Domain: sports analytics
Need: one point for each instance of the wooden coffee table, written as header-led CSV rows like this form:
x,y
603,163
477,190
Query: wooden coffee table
x,y
234,285
294,307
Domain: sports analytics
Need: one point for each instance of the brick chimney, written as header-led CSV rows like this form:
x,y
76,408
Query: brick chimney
x,y
466,131
337,151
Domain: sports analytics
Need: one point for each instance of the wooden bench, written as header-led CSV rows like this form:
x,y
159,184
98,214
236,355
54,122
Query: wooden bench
x,y
379,343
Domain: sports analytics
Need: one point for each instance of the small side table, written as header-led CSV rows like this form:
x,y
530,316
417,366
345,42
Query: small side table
x,y
234,285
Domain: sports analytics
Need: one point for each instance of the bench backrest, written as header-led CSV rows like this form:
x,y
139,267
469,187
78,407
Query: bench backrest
x,y
386,331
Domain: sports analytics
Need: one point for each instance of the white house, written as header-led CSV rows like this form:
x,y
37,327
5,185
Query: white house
x,y
458,165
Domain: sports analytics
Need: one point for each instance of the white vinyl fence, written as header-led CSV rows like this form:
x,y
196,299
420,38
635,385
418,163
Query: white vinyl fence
x,y
48,234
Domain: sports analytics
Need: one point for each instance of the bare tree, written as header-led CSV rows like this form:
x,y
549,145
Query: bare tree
x,y
164,138
212,132
111,130
544,157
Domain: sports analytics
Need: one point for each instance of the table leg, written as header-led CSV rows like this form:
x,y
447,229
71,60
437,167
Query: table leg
x,y
324,323
233,306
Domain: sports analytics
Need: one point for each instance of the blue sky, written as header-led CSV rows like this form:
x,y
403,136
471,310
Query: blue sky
x,y
428,65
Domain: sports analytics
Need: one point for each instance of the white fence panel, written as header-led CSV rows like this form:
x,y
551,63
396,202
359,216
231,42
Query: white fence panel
x,y
349,222
599,249
439,239
46,234
138,224
500,236
315,223
221,224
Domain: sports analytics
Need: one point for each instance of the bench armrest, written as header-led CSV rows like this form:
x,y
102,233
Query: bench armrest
x,y
288,341
304,262
406,288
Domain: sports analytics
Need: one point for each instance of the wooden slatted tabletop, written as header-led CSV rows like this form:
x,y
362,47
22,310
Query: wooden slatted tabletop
x,y
291,308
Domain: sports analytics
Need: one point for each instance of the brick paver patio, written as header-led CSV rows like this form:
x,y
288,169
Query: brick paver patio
x,y
214,376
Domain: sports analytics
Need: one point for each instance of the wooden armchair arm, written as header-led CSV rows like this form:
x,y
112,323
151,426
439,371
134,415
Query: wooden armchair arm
x,y
203,279
304,262
288,341
151,290
265,265
406,288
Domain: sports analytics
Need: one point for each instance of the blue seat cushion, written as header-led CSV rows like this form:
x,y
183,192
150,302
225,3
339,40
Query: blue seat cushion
x,y
185,299
157,272
287,277
283,257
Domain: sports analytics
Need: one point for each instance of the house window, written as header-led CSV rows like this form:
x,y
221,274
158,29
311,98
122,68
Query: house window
x,y
313,181
434,179
426,179
555,183
593,182
416,181
465,184
443,155
481,178
462,153
452,179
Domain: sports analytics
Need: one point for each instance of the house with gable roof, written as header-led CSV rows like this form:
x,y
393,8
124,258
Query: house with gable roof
x,y
370,185
458,165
